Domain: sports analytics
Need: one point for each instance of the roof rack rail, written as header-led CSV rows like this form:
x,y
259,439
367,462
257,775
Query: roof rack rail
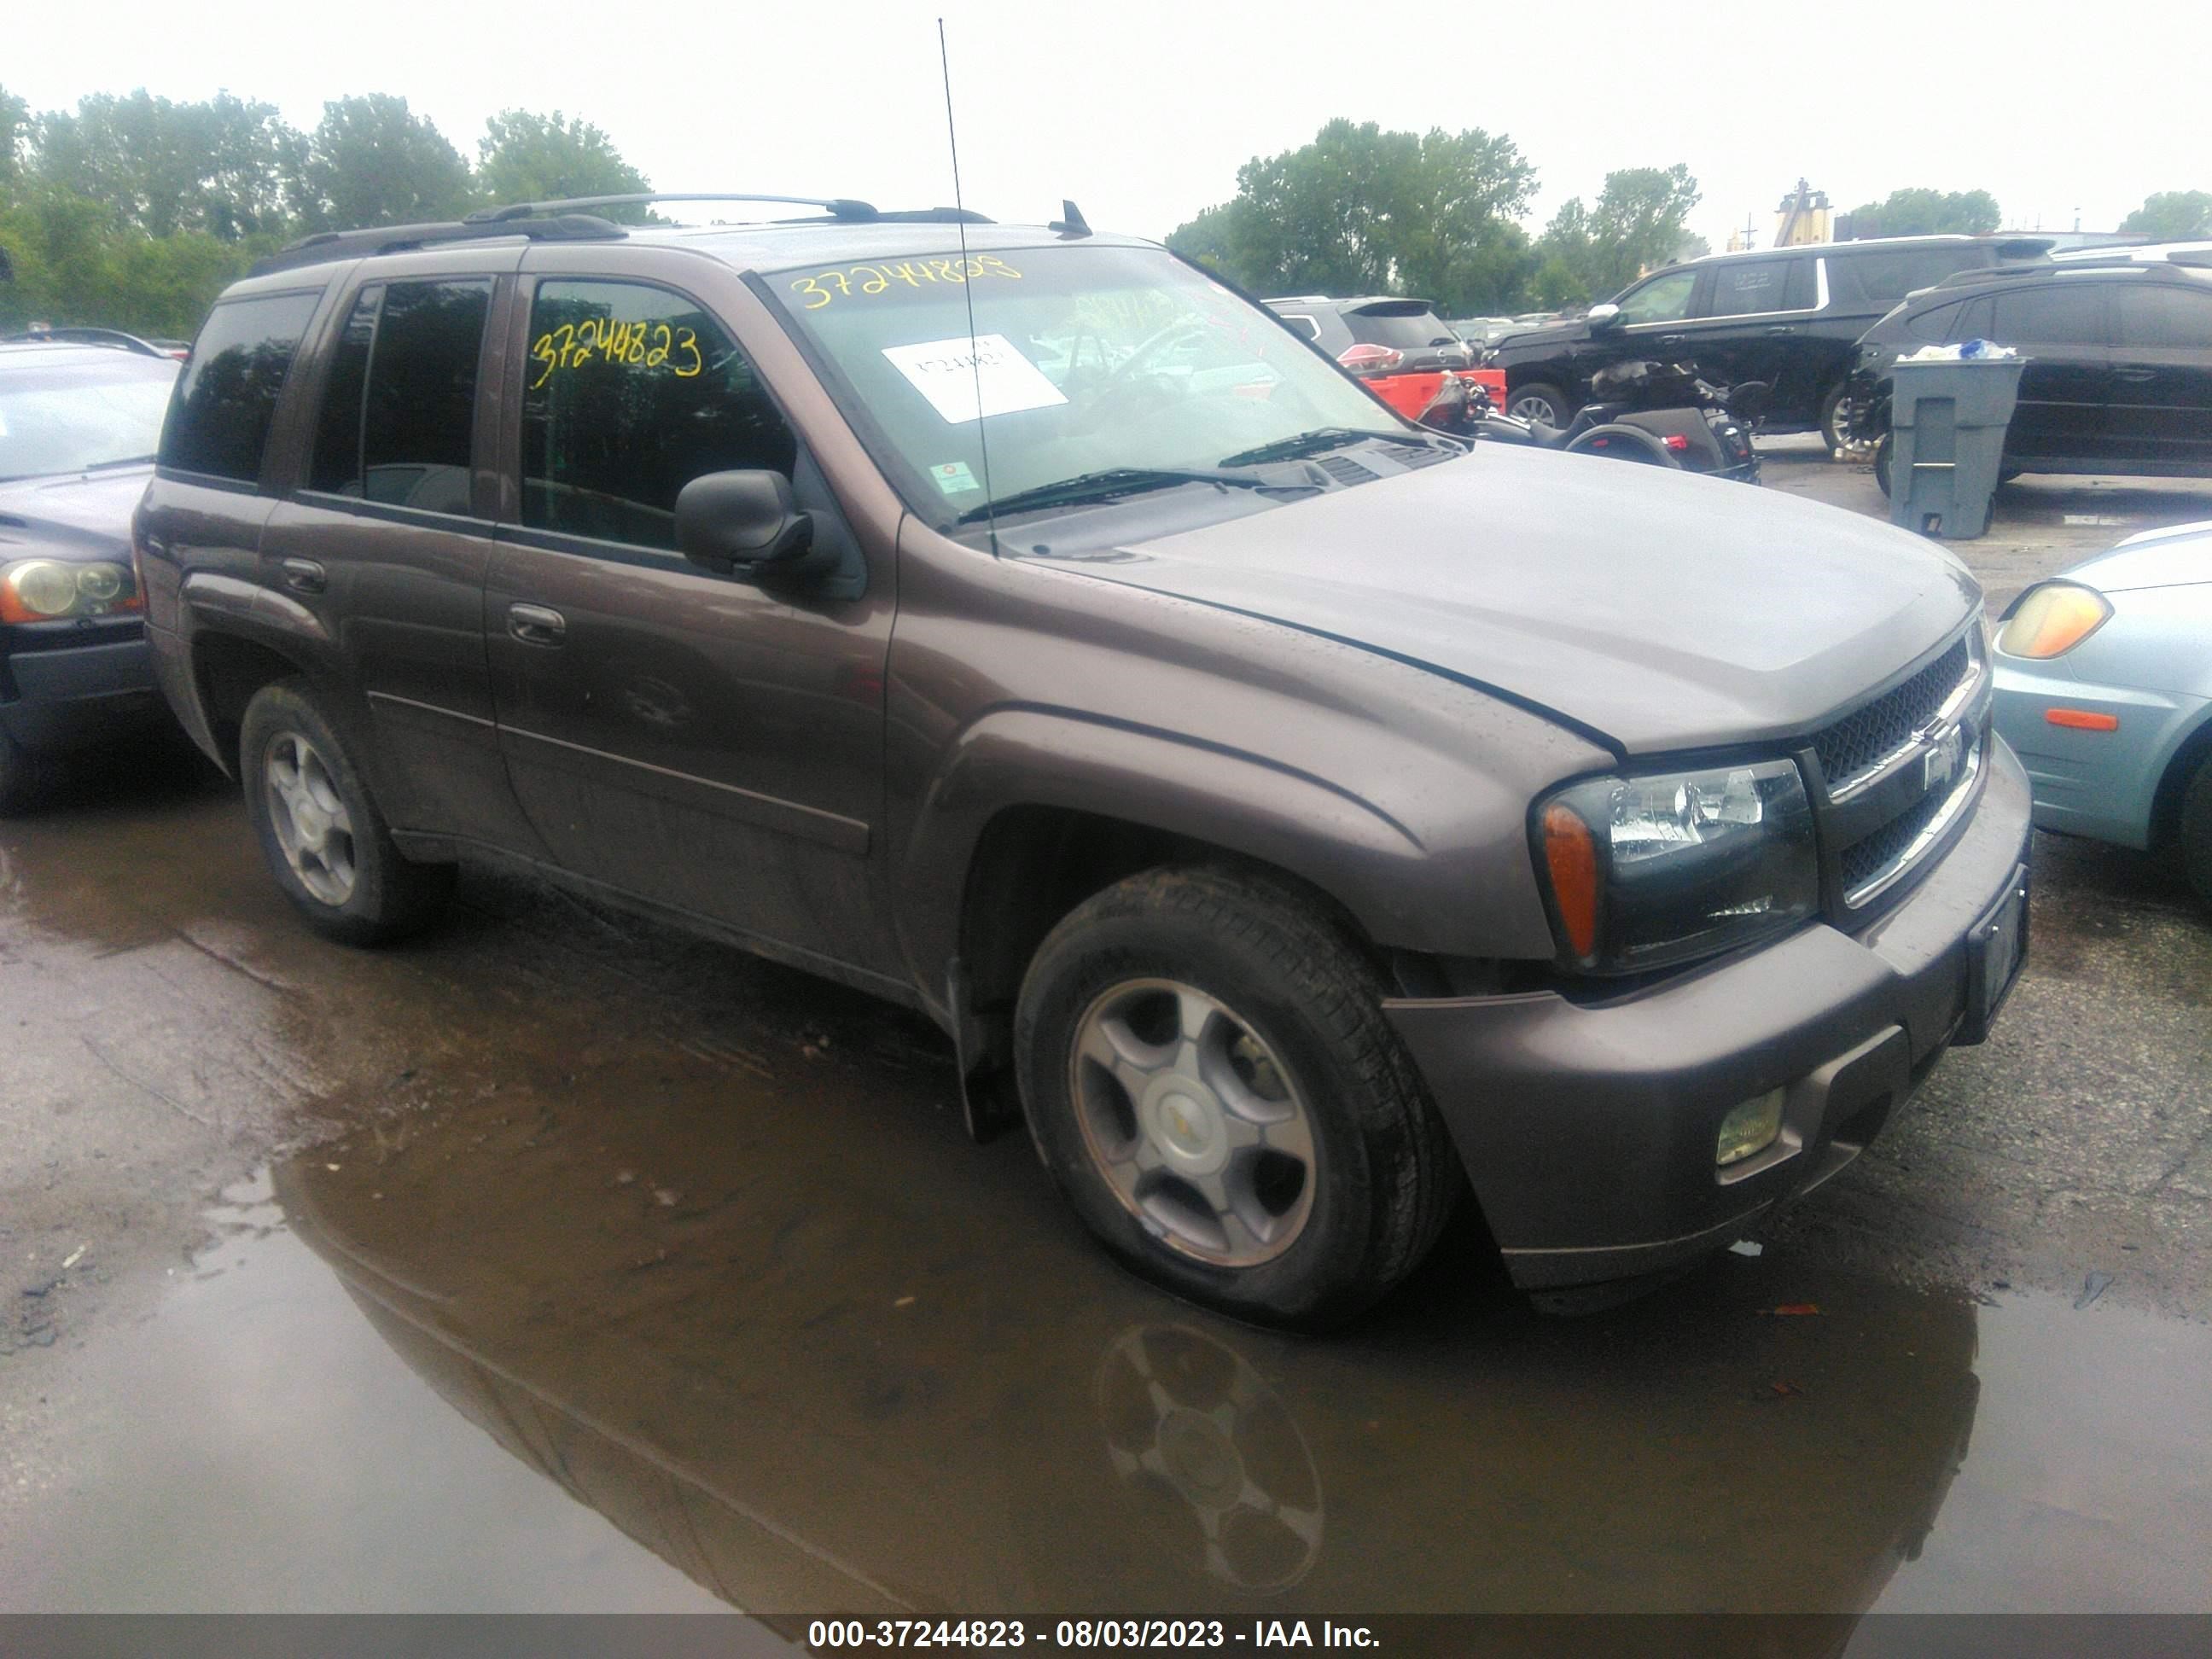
x,y
837,207
2054,268
328,244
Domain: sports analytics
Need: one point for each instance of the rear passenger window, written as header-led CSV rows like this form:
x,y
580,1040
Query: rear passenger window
x,y
2056,313
399,413
2168,318
630,392
337,464
1934,324
1745,287
227,396
1878,281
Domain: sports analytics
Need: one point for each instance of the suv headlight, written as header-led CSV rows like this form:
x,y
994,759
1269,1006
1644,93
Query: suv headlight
x,y
45,590
1661,868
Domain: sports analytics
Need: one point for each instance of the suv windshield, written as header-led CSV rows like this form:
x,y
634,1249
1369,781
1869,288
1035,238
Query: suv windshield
x,y
86,411
1087,361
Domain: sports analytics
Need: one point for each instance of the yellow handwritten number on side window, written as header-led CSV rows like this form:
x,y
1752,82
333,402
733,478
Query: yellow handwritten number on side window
x,y
646,345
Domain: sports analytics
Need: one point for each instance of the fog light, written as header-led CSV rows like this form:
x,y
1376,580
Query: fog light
x,y
1751,1128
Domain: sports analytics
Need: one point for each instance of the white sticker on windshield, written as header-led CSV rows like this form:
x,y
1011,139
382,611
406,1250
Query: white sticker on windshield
x,y
952,373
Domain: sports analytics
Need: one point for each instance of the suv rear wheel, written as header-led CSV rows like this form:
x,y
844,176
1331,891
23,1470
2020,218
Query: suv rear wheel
x,y
1212,1083
319,830
1836,419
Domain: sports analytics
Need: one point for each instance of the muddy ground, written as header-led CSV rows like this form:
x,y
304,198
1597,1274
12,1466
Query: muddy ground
x,y
557,1260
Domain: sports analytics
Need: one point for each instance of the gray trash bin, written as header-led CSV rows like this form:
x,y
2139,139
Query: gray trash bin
x,y
1947,423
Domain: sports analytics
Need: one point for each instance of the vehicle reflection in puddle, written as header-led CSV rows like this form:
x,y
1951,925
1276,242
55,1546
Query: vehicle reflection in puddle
x,y
815,1374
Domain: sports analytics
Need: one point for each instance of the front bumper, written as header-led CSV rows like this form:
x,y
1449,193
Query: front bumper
x,y
2102,784
63,697
1589,1128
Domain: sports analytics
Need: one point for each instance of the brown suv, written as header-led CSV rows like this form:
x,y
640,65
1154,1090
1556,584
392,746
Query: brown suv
x,y
1308,816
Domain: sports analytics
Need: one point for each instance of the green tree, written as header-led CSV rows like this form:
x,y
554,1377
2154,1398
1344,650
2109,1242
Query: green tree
x,y
2173,216
1360,210
1639,222
527,157
372,162
161,167
14,131
1920,212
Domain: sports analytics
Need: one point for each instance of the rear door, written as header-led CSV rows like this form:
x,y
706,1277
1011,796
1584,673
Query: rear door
x,y
2062,326
1754,323
689,738
389,533
2161,409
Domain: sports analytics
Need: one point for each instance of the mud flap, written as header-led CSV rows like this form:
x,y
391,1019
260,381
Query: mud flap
x,y
989,1102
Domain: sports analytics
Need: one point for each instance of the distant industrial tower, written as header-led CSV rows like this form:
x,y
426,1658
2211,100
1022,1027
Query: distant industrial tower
x,y
1801,217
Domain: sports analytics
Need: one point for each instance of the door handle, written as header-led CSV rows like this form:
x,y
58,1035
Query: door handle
x,y
2135,374
1670,342
305,576
533,624
1781,328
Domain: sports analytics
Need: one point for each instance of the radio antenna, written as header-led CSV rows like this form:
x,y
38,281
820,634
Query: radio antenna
x,y
968,291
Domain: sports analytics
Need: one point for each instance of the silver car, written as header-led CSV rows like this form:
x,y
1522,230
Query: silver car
x,y
2104,688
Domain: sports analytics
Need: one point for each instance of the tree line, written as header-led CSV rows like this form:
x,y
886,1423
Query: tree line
x,y
132,212
1439,214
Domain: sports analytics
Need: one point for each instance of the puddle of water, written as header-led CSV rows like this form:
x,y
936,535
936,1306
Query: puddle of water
x,y
671,1360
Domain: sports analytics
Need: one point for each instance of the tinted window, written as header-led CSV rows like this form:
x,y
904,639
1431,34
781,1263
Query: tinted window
x,y
1742,287
419,412
1402,329
1879,280
632,393
337,465
2168,318
1934,324
1662,300
228,393
1303,326
2062,313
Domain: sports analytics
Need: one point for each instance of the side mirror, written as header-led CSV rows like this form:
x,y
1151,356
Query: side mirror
x,y
742,522
1603,316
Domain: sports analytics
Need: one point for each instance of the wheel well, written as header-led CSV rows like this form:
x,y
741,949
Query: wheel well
x,y
1035,863
229,670
2166,803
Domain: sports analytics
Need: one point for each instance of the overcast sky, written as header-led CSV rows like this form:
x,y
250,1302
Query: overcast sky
x,y
1142,112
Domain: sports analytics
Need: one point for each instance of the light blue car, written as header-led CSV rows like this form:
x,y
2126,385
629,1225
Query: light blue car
x,y
2105,691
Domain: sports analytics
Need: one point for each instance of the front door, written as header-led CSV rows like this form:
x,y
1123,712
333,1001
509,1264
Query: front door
x,y
685,737
2059,325
2161,413
1753,324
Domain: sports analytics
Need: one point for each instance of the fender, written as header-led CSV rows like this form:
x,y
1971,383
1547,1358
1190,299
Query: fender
x,y
1014,756
1616,436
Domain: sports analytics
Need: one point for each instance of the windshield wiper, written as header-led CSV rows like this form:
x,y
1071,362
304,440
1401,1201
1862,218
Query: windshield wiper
x,y
1112,481
1313,443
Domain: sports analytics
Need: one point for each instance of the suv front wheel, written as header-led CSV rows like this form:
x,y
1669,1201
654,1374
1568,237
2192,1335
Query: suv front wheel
x,y
1212,1083
319,829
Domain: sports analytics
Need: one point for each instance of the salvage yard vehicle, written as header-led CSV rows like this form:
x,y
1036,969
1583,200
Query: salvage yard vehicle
x,y
1789,317
1655,414
1308,816
2104,688
1399,350
78,426
2119,377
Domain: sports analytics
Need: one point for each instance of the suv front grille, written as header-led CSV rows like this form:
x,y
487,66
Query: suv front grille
x,y
1861,743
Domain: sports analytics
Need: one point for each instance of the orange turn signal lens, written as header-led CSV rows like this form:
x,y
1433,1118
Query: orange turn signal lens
x,y
1570,854
2082,719
2052,620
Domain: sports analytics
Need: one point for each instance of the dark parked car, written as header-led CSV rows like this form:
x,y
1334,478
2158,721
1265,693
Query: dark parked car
x,y
2118,378
1789,317
1311,815
78,425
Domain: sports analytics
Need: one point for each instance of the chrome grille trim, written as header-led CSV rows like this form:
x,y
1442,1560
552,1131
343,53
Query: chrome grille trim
x,y
1974,673
1899,865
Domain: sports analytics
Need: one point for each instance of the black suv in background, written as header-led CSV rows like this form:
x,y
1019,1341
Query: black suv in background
x,y
2119,362
1787,316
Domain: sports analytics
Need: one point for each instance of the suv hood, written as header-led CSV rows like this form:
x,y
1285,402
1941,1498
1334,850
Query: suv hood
x,y
71,515
1656,610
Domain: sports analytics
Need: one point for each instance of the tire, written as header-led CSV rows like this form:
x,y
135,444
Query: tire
x,y
1881,463
1209,990
19,776
319,829
1836,420
1521,405
2197,830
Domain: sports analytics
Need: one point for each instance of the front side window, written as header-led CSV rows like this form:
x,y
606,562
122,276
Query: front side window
x,y
1662,300
225,399
2160,318
630,392
90,409
1085,359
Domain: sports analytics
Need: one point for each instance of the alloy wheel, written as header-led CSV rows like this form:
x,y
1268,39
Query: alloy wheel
x,y
310,818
